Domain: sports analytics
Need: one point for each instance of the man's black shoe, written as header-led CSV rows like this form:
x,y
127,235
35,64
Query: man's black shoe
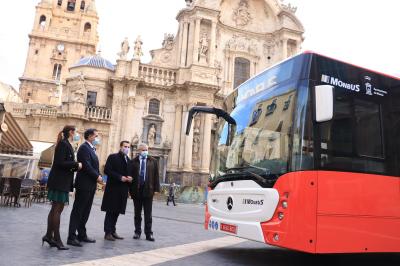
x,y
109,237
150,237
87,240
116,236
136,236
74,242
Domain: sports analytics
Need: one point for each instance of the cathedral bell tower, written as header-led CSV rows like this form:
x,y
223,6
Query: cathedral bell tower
x,y
63,32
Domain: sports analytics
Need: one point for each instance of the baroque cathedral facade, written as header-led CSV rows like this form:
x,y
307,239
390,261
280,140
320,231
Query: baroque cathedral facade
x,y
219,44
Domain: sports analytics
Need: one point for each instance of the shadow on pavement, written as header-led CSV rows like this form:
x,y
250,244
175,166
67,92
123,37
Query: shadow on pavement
x,y
282,257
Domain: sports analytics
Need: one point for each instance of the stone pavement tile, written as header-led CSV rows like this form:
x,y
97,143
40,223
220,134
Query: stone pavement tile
x,y
23,228
163,255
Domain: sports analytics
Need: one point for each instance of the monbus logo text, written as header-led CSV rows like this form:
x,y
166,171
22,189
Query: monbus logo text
x,y
338,83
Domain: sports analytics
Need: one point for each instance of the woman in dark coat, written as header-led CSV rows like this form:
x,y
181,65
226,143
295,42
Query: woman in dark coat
x,y
60,183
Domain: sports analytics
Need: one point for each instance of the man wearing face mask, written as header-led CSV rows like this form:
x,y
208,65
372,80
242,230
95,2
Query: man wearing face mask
x,y
116,192
146,183
85,189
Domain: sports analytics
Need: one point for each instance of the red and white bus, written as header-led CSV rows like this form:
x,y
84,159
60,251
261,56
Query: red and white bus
x,y
307,157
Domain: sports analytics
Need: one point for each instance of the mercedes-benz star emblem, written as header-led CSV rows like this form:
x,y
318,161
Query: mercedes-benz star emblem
x,y
229,203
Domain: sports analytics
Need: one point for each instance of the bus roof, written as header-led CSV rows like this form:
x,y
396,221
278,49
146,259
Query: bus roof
x,y
370,70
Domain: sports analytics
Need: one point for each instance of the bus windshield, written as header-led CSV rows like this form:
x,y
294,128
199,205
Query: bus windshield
x,y
260,141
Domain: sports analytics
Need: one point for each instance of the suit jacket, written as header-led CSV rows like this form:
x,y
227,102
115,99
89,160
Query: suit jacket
x,y
116,192
86,178
61,175
152,179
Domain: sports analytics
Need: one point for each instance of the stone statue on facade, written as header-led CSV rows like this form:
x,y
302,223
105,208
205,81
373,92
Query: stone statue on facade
x,y
168,42
79,93
196,146
151,137
167,143
204,45
124,49
135,141
138,48
241,15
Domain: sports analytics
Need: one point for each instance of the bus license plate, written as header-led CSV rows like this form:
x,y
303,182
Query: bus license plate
x,y
229,228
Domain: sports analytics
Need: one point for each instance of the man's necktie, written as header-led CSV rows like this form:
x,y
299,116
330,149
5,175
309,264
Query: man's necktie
x,y
142,171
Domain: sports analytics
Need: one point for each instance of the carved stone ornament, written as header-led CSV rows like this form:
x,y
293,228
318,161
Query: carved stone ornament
x,y
241,15
288,7
168,42
242,44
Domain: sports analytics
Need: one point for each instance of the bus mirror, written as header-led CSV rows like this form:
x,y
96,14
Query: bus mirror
x,y
208,110
323,103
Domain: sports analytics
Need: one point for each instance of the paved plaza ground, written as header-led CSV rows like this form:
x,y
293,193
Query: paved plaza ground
x,y
180,240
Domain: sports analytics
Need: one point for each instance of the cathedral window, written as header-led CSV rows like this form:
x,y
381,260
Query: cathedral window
x,y
83,5
57,71
242,71
87,27
91,98
59,2
154,107
42,21
71,5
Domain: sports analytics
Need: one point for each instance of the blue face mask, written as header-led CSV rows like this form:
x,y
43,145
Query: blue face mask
x,y
76,137
144,154
96,142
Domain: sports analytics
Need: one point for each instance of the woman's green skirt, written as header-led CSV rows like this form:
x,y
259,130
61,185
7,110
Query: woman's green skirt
x,y
58,196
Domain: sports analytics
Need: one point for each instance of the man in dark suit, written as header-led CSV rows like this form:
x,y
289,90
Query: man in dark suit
x,y
117,188
85,189
144,171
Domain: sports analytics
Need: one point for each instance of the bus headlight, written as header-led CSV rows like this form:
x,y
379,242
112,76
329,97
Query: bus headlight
x,y
276,237
281,215
284,204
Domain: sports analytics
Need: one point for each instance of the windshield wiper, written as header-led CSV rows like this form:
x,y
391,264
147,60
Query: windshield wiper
x,y
249,166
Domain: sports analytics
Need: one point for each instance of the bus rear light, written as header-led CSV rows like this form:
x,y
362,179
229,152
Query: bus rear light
x,y
276,237
284,204
281,215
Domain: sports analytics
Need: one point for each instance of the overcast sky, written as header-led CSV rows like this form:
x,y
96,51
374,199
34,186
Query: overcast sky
x,y
364,32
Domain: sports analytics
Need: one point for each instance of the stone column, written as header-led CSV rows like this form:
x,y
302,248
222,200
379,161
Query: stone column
x,y
182,137
165,168
116,117
196,41
177,137
187,166
284,49
206,152
129,125
213,42
180,40
184,44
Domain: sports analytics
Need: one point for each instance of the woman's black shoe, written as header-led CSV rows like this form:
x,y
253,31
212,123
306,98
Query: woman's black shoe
x,y
60,246
48,241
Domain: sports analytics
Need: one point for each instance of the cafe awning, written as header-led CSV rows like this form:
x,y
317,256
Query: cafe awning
x,y
13,140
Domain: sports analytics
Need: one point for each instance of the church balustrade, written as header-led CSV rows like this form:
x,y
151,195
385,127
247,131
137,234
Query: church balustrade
x,y
98,112
157,75
45,112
